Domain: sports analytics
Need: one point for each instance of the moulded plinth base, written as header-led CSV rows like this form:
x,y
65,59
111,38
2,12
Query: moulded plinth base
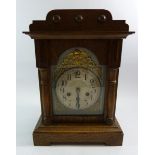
x,y
71,133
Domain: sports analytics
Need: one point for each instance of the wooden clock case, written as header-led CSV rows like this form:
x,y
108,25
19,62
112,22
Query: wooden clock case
x,y
96,31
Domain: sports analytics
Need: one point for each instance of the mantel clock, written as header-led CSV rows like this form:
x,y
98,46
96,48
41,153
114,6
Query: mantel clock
x,y
78,55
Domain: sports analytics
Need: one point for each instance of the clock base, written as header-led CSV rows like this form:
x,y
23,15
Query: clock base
x,y
70,133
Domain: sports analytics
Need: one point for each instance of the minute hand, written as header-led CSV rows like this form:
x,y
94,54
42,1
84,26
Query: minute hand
x,y
78,98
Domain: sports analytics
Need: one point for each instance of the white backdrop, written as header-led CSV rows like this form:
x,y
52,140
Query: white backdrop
x,y
28,99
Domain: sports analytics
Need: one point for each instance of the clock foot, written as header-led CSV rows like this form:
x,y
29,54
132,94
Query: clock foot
x,y
73,133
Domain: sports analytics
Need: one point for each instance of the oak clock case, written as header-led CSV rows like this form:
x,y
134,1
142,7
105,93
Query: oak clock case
x,y
78,55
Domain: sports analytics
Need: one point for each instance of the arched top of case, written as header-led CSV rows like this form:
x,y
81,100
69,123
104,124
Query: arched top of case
x,y
78,24
78,19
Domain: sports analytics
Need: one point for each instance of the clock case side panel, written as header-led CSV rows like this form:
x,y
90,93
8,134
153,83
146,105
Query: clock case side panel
x,y
41,53
47,52
114,61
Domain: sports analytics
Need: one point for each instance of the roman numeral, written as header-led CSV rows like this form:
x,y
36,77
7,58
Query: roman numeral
x,y
85,76
68,76
63,82
77,74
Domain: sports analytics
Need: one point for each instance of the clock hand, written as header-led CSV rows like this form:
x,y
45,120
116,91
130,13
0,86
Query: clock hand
x,y
78,98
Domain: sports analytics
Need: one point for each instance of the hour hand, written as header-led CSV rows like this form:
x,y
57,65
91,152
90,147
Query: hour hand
x,y
78,98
